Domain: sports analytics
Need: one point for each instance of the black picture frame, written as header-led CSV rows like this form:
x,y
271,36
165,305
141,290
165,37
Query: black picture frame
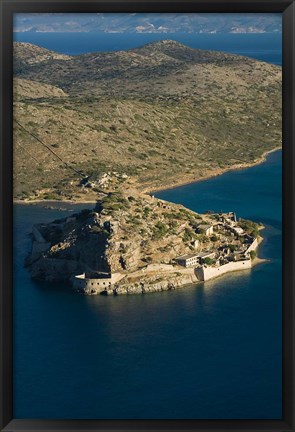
x,y
8,8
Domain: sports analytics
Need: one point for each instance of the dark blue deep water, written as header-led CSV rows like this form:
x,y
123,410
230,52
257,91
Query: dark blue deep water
x,y
210,351
265,46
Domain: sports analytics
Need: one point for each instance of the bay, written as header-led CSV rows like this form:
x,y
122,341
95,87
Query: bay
x,y
209,351
262,46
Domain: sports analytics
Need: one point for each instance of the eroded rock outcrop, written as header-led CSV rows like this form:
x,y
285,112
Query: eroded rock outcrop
x,y
123,233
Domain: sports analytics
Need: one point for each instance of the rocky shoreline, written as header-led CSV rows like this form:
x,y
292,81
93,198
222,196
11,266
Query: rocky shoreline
x,y
211,174
135,244
169,284
150,190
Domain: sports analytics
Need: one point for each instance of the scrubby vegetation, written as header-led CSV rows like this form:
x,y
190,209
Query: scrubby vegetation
x,y
162,114
250,227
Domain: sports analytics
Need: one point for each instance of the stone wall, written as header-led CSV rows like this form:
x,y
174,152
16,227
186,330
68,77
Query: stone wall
x,y
94,286
207,273
253,246
38,237
38,249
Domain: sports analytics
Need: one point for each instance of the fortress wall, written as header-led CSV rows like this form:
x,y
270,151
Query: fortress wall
x,y
95,286
87,285
207,273
37,235
38,248
253,246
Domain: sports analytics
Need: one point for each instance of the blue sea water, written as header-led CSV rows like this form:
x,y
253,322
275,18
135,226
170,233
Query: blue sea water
x,y
265,46
209,351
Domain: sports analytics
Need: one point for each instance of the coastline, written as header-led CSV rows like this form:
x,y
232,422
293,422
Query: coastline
x,y
179,183
51,203
215,173
164,283
152,278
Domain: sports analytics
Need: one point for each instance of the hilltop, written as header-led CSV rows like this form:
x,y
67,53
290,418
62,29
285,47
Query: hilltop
x,y
158,115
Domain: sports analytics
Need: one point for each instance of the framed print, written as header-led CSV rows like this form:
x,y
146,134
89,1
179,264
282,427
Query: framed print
x,y
147,186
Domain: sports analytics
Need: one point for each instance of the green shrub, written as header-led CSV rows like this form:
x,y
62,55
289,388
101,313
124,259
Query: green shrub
x,y
251,228
187,236
232,247
159,230
115,201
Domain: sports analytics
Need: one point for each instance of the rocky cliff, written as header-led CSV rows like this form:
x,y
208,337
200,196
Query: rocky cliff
x,y
123,233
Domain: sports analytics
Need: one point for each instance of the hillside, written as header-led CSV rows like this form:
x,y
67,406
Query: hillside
x,y
122,233
157,115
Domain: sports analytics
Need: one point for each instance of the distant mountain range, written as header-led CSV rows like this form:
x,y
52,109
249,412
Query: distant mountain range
x,y
148,23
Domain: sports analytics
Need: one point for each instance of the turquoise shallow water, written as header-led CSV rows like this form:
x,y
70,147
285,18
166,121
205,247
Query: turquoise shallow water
x,y
209,351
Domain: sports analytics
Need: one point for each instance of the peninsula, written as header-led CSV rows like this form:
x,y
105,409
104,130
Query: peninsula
x,y
137,244
138,113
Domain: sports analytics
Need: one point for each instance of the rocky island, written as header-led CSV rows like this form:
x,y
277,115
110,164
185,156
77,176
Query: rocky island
x,y
137,244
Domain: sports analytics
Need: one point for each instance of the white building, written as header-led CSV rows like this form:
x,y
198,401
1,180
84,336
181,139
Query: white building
x,y
207,229
192,260
188,260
